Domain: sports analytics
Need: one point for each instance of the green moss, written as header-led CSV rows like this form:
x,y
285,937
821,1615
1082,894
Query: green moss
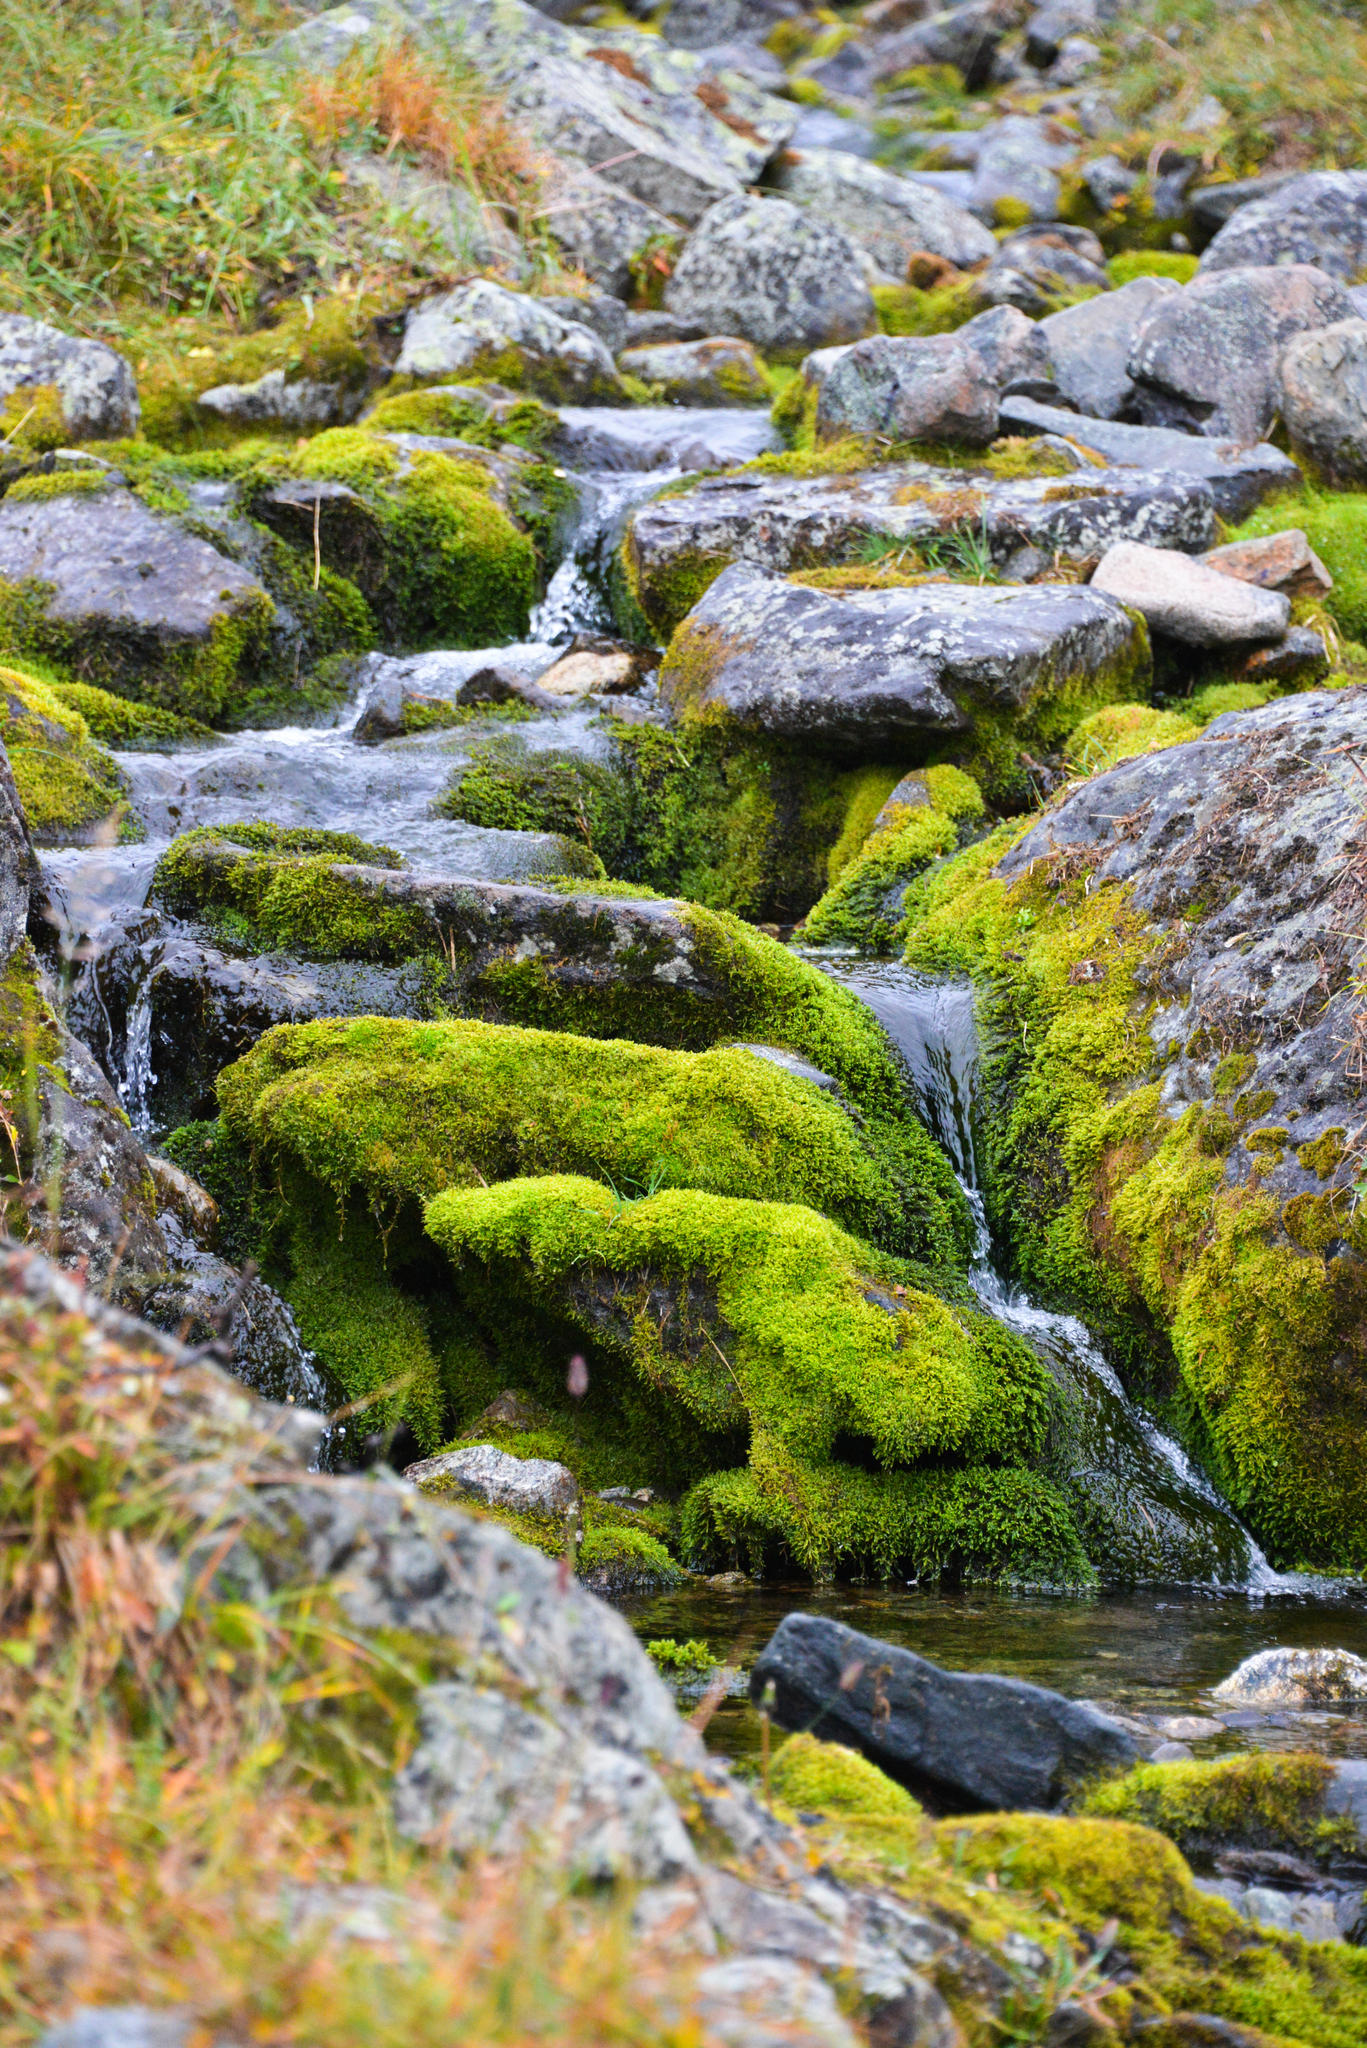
x,y
1119,731
1024,455
776,1330
506,788
419,536
621,1560
827,1778
1132,263
118,722
211,1155
863,906
1323,1155
70,788
1259,1801
907,309
61,483
288,887
1217,698
33,420
463,412
1335,524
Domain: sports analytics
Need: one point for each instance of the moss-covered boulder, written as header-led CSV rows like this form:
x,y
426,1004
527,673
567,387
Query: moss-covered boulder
x,y
1169,979
418,531
71,790
927,814
1261,1801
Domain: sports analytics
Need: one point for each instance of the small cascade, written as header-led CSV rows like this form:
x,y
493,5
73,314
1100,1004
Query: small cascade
x,y
137,1081
1165,1517
577,598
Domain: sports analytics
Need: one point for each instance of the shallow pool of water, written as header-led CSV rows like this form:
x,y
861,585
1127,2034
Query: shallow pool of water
x,y
1149,1651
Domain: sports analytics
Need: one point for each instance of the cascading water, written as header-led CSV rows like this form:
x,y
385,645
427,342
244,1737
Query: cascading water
x,y
1166,1515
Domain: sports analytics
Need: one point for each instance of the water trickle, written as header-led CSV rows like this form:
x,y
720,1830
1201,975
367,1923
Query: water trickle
x,y
138,1079
1164,1510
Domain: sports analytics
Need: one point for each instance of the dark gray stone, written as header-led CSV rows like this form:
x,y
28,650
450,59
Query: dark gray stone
x,y
1018,160
1089,345
824,128
98,393
968,1740
1319,218
1206,359
764,269
1211,206
601,312
1239,477
878,668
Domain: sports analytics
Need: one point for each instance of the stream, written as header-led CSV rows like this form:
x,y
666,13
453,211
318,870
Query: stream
x,y
1212,1597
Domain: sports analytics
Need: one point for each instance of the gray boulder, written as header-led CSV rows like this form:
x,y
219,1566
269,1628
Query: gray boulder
x,y
967,36
880,668
1295,1678
1185,600
721,371
824,128
1011,348
1035,269
1090,345
527,1486
1239,477
764,269
1211,206
276,400
1206,360
781,522
98,393
1319,218
600,229
930,388
1018,160
891,217
474,329
1322,398
968,1740
132,596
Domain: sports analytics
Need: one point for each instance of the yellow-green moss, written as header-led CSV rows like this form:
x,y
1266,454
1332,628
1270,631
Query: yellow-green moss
x,y
69,787
60,483
827,1778
1131,263
1119,731
1259,1801
289,887
863,905
907,309
33,420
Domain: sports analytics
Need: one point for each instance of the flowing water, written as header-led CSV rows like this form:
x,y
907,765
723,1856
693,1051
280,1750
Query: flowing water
x,y
1159,1646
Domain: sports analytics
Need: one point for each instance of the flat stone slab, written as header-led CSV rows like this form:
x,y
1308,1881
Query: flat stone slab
x,y
877,667
969,1740
786,522
1239,478
1190,602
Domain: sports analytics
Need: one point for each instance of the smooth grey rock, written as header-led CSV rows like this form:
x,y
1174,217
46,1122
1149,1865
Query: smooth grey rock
x,y
878,668
600,312
779,522
472,327
912,388
1206,359
98,392
1319,218
121,2026
529,1486
600,229
276,400
1295,1678
765,270
720,371
968,1740
1322,398
824,128
643,330
1011,348
117,572
1184,600
1239,477
1089,345
967,36
1034,269
893,218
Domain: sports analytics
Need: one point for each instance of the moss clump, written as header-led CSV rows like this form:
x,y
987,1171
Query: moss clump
x,y
70,788
620,1560
1024,455
403,1110
272,885
1217,698
1260,1801
772,1329
827,1778
1132,263
1112,1207
118,722
465,413
907,309
1119,731
863,906
1335,524
61,483
507,788
419,535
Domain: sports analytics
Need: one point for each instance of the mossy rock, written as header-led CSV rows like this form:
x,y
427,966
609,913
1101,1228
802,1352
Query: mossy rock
x,y
126,726
927,815
1335,524
420,535
72,791
1119,731
826,1778
1265,1800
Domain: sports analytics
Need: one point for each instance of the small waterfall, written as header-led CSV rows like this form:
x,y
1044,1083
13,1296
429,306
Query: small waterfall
x,y
577,599
1130,1472
138,1079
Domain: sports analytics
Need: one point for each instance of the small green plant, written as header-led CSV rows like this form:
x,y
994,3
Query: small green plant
x,y
694,1655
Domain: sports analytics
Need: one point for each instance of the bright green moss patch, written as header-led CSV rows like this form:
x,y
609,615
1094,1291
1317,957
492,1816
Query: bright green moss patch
x,y
119,722
619,1560
1132,263
827,1778
61,483
463,412
1335,524
863,906
1259,1801
906,309
70,788
1119,731
284,886
419,535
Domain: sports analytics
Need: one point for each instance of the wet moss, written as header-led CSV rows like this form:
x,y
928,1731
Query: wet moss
x,y
70,788
825,1777
120,723
863,907
289,887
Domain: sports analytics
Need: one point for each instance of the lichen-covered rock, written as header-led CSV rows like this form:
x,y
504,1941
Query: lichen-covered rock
x,y
71,790
1011,347
1015,169
1322,398
91,579
905,388
1174,978
1037,270
602,230
1184,600
1206,358
717,371
525,1486
966,37
1090,345
95,388
676,546
763,269
875,669
277,400
893,218
973,1740
1239,477
482,329
1320,218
